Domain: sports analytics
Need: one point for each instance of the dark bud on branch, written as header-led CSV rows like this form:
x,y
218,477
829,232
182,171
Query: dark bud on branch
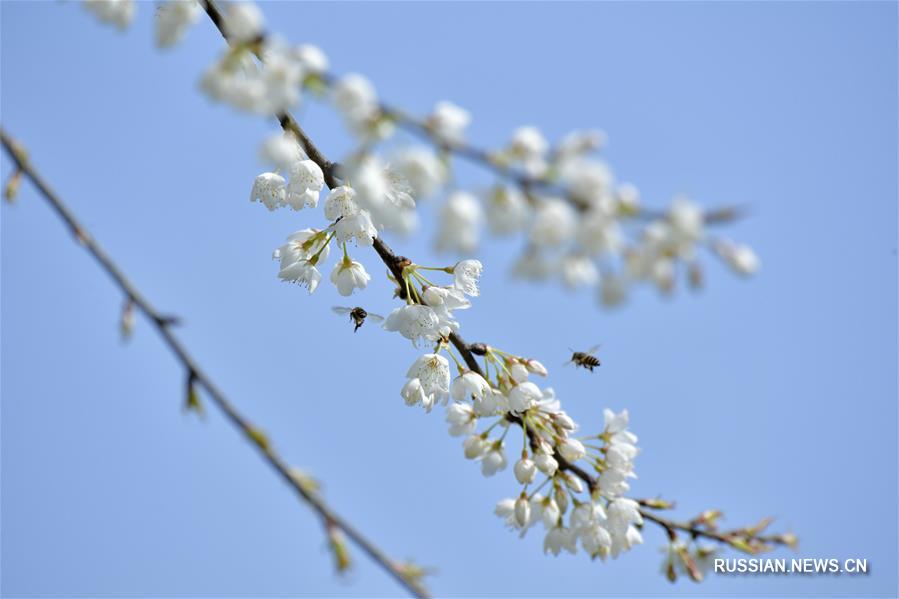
x,y
478,349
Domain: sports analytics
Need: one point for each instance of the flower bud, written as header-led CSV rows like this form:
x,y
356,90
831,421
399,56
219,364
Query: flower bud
x,y
525,471
536,367
564,420
551,513
546,464
519,372
572,450
522,511
561,499
474,447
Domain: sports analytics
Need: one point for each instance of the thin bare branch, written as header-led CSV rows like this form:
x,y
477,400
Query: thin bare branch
x,y
405,574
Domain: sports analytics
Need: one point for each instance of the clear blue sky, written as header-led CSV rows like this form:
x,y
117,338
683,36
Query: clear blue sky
x,y
772,396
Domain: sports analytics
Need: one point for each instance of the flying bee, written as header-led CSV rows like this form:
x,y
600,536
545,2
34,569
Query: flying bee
x,y
357,315
584,359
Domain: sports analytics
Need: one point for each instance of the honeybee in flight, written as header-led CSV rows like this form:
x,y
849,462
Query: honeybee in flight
x,y
585,359
357,315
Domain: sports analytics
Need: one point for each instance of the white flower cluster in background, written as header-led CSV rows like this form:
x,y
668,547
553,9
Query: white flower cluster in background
x,y
580,225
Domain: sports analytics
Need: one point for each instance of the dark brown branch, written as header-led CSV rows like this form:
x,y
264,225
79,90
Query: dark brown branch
x,y
743,539
197,376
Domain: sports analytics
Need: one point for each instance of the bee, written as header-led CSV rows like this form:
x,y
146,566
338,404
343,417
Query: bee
x,y
585,359
357,315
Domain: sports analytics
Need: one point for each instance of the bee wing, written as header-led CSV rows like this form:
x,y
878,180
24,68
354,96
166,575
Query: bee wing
x,y
593,349
375,317
341,310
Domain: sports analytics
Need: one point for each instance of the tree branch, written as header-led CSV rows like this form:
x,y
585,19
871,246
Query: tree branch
x,y
405,574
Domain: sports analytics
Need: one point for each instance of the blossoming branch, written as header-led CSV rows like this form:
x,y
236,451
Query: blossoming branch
x,y
579,224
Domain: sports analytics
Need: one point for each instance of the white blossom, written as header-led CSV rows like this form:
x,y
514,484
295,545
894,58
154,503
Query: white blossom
x,y
469,385
243,22
494,459
572,449
448,122
598,232
451,297
588,181
269,189
578,143
397,211
357,100
349,275
312,58
546,463
460,221
413,393
741,258
579,271
369,178
550,512
507,210
686,219
341,202
523,396
527,143
505,509
298,257
414,322
305,184
525,471
461,418
269,87
422,169
491,403
173,17
281,149
281,77
536,367
356,226
303,272
465,276
433,372
519,372
554,223
522,511
560,538
623,512
474,447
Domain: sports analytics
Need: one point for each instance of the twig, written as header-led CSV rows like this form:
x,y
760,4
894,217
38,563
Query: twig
x,y
196,375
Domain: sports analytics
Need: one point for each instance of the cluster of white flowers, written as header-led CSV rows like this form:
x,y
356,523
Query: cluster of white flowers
x,y
580,225
428,313
600,520
590,511
270,85
304,182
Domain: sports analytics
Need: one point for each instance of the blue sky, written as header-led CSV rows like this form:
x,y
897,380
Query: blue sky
x,y
775,396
